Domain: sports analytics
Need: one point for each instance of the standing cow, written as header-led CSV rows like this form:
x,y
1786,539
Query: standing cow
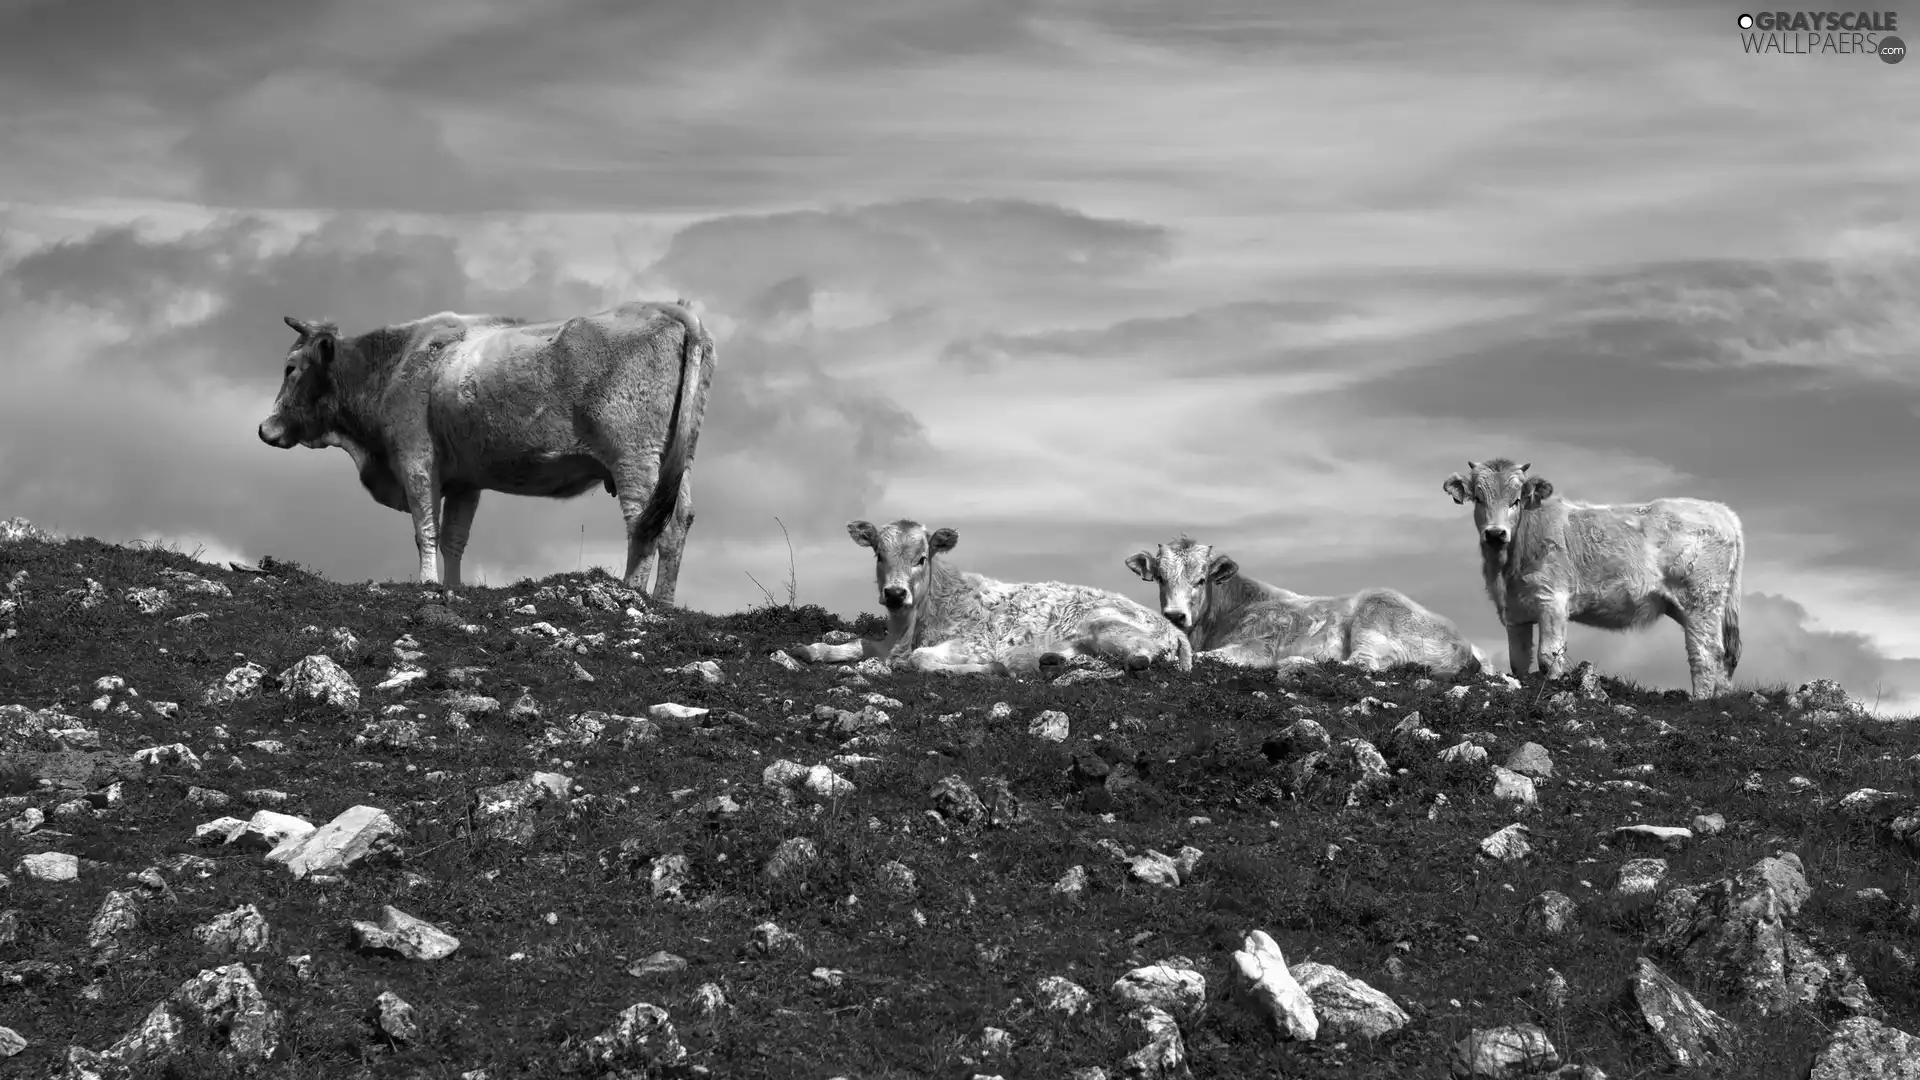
x,y
1236,619
948,620
1548,560
445,407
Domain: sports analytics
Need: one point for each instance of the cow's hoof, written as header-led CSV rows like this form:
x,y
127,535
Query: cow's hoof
x,y
1052,664
1000,669
1138,663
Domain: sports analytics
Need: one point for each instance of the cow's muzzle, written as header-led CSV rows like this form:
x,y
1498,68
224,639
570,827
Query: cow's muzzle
x,y
894,597
276,435
1177,618
1495,537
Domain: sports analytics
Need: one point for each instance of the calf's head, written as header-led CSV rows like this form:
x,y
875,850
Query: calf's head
x,y
1499,490
305,385
1186,572
902,558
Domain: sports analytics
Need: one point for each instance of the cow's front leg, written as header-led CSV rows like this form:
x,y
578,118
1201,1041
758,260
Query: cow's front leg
x,y
1240,655
456,522
1520,649
1553,638
423,502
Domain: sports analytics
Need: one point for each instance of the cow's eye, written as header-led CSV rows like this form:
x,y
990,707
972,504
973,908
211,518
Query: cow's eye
x,y
1516,502
921,561
287,372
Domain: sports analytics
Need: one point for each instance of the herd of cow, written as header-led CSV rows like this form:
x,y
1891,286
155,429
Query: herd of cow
x,y
436,410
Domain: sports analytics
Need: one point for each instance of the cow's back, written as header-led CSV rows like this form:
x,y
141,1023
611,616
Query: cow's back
x,y
523,407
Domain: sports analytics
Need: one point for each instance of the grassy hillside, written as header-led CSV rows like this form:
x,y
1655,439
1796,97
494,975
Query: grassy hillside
x,y
920,929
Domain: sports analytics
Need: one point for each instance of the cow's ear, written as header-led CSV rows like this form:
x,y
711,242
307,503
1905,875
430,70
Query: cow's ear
x,y
943,540
1536,490
1222,569
323,348
1527,466
1456,486
863,533
1141,564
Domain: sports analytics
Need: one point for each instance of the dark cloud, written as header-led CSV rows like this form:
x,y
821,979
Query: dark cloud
x,y
171,56
316,139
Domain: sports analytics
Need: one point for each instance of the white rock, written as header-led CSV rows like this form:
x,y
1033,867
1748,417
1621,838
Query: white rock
x,y
1263,970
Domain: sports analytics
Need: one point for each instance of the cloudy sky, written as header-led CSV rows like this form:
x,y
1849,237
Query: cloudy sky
x,y
1069,276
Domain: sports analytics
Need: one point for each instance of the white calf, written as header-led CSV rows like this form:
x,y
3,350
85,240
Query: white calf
x,y
1549,561
943,619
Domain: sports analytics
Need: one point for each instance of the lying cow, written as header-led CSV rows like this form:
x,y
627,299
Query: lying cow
x,y
1547,560
948,620
445,407
1236,619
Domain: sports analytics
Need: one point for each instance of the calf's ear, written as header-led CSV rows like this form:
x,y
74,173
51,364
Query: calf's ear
x,y
1222,569
1535,491
863,533
1141,564
943,540
1456,486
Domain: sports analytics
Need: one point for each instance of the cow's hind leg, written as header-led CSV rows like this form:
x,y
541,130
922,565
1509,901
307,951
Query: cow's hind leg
x,y
673,544
1121,642
951,658
634,482
456,523
1702,627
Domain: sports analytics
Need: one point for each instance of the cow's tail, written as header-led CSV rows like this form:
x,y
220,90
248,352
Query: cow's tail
x,y
1730,622
682,423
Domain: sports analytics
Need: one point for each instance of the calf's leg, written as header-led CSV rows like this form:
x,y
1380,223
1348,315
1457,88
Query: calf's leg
x,y
1520,649
423,502
1553,638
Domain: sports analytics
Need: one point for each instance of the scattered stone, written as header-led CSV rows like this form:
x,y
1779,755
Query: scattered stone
x,y
1508,845
1510,786
1346,1006
357,834
1531,760
1050,725
1164,1055
1063,996
1691,1033
49,866
659,963
1550,914
1516,1052
318,678
1177,990
1664,836
403,935
1264,975
394,1018
242,930
641,1039
1639,877
1862,1048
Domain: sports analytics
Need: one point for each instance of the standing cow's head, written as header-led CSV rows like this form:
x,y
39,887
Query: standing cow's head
x,y
297,415
1187,572
1499,490
902,558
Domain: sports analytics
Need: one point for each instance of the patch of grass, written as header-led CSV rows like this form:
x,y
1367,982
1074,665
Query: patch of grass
x,y
1389,891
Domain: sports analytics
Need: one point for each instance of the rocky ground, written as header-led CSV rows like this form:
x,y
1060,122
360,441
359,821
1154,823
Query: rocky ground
x,y
262,822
